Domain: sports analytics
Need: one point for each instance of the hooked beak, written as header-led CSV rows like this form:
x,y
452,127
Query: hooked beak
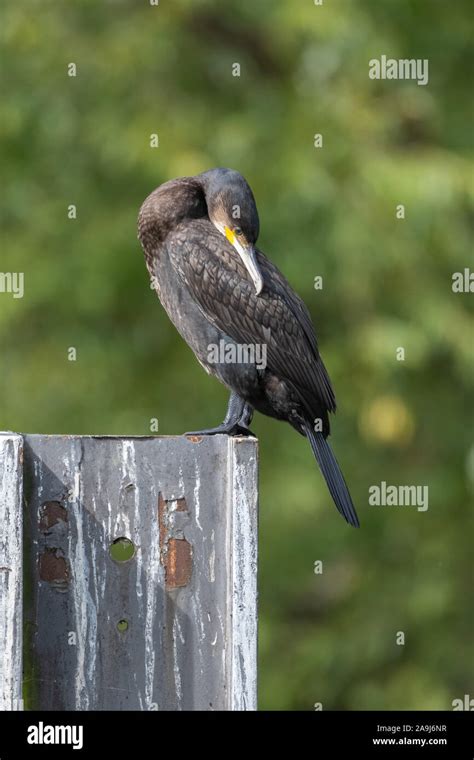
x,y
249,259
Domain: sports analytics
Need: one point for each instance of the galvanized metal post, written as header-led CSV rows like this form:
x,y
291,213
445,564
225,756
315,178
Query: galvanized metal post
x,y
173,624
11,531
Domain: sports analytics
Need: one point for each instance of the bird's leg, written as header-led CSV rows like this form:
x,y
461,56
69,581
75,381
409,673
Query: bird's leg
x,y
238,417
246,417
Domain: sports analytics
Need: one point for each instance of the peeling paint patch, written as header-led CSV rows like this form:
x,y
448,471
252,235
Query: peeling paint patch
x,y
181,505
52,512
176,552
162,521
53,568
179,563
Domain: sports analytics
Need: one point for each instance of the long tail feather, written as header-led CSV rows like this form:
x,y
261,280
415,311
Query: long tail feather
x,y
332,475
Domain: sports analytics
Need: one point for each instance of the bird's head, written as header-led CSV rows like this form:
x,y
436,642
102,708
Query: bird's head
x,y
232,210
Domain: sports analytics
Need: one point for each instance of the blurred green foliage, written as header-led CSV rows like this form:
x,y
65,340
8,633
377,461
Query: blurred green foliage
x,y
327,638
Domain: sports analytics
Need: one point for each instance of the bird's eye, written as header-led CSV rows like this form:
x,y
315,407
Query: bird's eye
x,y
237,230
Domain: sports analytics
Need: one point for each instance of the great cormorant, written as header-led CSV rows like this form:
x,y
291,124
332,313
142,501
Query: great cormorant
x,y
198,235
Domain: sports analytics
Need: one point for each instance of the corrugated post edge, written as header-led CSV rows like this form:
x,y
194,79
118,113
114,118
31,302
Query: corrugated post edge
x,y
242,592
11,575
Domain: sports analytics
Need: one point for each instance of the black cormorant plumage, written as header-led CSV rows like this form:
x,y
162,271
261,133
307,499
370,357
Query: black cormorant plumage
x,y
226,298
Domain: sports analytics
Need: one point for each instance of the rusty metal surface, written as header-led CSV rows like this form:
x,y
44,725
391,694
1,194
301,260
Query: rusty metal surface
x,y
11,457
172,628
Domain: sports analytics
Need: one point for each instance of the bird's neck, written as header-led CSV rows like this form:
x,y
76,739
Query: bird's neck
x,y
166,207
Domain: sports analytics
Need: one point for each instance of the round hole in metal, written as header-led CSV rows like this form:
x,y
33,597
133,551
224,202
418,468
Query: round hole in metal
x,y
122,549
